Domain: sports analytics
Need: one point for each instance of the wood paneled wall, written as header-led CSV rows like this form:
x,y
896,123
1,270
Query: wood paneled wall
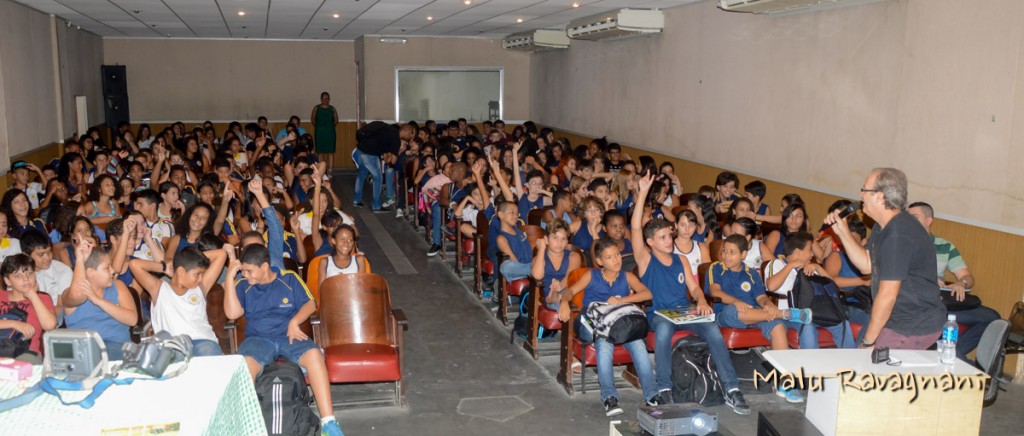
x,y
993,257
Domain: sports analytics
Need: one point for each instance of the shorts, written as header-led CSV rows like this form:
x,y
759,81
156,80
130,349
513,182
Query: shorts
x,y
265,350
205,347
730,317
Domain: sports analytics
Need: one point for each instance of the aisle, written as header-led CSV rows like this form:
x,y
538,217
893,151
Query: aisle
x,y
463,377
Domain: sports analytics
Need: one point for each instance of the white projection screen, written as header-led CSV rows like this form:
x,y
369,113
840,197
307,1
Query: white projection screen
x,y
440,93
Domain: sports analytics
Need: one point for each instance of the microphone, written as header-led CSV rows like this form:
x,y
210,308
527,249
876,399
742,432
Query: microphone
x,y
843,213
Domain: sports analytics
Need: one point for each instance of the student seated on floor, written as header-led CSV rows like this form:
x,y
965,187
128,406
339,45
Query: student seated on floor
x,y
781,275
612,285
666,274
22,292
179,307
275,303
554,262
744,303
95,301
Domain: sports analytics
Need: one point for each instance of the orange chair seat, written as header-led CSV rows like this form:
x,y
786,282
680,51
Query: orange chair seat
x,y
356,363
517,287
620,355
743,338
548,318
679,334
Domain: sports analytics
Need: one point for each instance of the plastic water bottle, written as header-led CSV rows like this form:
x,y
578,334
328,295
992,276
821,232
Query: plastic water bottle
x,y
947,345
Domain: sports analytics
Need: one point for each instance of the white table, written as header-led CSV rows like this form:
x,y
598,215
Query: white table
x,y
214,396
844,403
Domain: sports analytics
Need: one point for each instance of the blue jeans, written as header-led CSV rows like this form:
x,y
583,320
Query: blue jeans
x,y
435,223
859,316
809,335
205,347
513,270
976,320
367,164
389,182
709,332
265,350
605,367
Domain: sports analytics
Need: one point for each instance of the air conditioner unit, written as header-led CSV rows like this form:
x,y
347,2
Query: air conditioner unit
x,y
781,7
536,40
619,24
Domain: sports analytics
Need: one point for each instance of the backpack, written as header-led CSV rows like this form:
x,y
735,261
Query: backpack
x,y
618,323
821,295
12,342
694,378
285,399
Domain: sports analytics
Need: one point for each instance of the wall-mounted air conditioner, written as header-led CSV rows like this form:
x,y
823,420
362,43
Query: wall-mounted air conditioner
x,y
536,40
780,7
619,24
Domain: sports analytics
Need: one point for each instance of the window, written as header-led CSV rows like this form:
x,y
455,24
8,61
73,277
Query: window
x,y
448,93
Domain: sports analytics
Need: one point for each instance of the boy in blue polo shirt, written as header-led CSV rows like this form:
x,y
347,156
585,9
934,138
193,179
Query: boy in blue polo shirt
x,y
745,304
276,302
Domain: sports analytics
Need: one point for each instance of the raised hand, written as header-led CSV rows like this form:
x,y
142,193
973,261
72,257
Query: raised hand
x,y
256,186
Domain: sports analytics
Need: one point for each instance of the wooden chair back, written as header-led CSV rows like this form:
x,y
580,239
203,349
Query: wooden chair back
x,y
483,230
533,233
355,309
307,245
715,250
536,216
575,276
215,314
702,272
313,276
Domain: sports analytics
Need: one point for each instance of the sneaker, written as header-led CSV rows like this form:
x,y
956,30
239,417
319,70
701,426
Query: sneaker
x,y
331,429
486,295
801,316
661,399
434,250
399,213
358,204
389,202
735,400
791,395
611,407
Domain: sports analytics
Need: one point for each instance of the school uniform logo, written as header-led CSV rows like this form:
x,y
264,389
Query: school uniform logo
x,y
745,286
192,299
682,277
284,300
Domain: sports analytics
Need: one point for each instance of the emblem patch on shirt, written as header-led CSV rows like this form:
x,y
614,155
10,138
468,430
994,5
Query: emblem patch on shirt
x,y
193,299
284,300
682,278
745,286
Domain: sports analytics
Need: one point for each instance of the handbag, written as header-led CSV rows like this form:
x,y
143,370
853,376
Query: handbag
x,y
12,342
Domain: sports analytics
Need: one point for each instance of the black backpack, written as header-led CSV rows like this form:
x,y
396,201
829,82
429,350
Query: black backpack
x,y
694,378
821,295
12,342
285,399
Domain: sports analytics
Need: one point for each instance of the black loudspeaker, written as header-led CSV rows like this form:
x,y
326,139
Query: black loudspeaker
x,y
115,95
115,80
115,110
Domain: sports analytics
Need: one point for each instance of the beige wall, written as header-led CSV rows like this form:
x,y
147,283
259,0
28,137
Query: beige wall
x,y
380,60
81,56
816,100
29,96
175,79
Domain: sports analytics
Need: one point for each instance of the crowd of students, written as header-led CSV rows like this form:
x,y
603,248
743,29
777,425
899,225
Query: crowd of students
x,y
643,241
111,236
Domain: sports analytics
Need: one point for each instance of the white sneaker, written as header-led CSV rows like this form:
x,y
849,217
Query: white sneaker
x,y
399,213
388,203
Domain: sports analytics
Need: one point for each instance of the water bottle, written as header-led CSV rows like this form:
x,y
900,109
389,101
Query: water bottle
x,y
947,345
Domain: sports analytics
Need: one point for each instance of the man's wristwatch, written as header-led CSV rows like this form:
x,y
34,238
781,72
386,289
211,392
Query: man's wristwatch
x,y
865,344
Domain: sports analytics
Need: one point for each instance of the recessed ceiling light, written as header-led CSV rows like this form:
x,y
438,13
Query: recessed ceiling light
x,y
575,4
430,18
519,20
241,13
467,2
336,15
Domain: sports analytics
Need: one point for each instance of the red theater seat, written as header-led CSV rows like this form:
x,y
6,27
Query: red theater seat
x,y
675,338
354,363
743,338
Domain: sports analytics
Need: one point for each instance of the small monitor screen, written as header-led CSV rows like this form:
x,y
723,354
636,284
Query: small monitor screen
x,y
63,350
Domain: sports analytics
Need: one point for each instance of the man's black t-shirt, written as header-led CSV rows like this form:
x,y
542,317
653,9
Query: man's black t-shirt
x,y
904,251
